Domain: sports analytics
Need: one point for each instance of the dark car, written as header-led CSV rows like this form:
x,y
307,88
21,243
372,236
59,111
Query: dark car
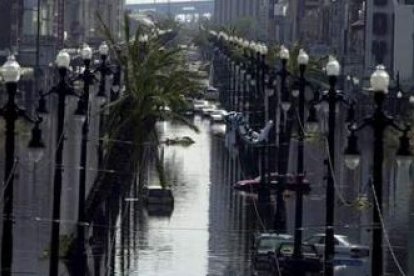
x,y
282,259
263,244
159,201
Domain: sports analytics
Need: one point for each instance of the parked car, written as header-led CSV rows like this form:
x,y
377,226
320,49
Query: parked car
x,y
198,105
282,259
343,246
218,115
253,185
263,244
208,109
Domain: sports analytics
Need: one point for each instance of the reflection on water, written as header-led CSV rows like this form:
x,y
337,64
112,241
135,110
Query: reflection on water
x,y
210,229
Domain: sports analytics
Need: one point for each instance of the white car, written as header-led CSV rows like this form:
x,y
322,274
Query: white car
x,y
218,115
198,105
207,110
343,246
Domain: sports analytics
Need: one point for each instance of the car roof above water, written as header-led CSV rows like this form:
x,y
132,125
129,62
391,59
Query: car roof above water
x,y
273,235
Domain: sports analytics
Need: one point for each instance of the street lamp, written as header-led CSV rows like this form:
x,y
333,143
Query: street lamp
x,y
11,73
82,113
379,121
282,164
104,70
303,60
332,70
62,89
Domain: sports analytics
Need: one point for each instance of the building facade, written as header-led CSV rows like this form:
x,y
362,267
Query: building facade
x,y
250,17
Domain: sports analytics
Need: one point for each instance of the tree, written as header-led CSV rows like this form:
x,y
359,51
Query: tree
x,y
157,83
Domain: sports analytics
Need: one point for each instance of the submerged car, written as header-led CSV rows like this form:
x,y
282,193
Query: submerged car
x,y
253,185
265,243
198,105
218,115
343,246
159,195
282,259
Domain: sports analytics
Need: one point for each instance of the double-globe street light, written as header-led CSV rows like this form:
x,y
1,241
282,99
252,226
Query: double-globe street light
x,y
379,121
11,112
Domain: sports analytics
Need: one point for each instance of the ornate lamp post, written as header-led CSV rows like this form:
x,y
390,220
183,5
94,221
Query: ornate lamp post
x,y
332,69
379,121
280,216
11,73
62,89
82,113
104,70
303,60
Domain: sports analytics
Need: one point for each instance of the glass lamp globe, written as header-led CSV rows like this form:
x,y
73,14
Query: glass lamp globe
x,y
36,145
303,58
295,92
63,60
35,154
286,105
404,161
253,45
284,53
103,49
115,88
86,52
380,80
352,161
11,70
399,94
312,126
333,68
101,100
265,50
325,107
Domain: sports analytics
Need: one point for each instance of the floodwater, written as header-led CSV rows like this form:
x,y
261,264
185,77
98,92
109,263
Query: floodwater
x,y
210,230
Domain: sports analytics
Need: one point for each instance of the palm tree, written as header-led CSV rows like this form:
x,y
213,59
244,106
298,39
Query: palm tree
x,y
157,83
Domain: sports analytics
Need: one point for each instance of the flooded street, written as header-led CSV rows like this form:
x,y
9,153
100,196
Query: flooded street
x,y
207,233
211,229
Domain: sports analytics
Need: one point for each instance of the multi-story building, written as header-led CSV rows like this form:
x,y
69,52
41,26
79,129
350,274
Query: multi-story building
x,y
250,16
404,43
84,19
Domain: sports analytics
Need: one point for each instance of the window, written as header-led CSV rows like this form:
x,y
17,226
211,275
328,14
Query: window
x,y
379,23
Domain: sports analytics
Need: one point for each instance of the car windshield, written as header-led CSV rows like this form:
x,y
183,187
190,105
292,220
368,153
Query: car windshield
x,y
159,193
343,240
287,249
268,243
